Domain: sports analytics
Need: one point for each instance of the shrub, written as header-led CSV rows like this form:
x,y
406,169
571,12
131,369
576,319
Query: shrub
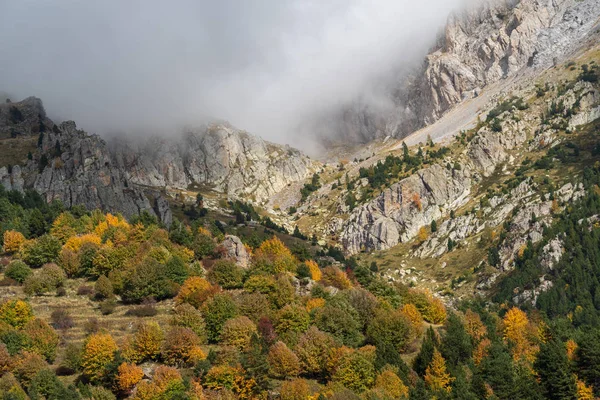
x,y
100,393
282,361
216,311
40,251
227,274
15,313
103,288
6,361
237,332
98,352
42,338
195,291
146,309
12,241
17,270
128,376
48,279
181,347
85,290
92,325
187,316
108,306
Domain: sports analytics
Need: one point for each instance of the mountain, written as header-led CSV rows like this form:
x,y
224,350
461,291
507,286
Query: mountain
x,y
129,176
482,46
461,261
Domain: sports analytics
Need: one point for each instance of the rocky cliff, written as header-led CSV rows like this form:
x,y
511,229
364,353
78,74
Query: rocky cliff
x,y
77,168
219,157
492,151
491,41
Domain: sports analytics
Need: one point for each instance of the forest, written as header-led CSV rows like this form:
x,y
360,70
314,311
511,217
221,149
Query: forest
x,y
207,326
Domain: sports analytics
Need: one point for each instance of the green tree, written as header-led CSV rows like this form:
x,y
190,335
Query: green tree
x,y
456,344
423,359
553,368
216,311
588,359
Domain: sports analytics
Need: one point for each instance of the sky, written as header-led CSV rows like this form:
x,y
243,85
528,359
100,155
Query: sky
x,y
271,67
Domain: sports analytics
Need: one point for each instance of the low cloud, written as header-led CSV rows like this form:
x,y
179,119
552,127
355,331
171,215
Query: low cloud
x,y
269,67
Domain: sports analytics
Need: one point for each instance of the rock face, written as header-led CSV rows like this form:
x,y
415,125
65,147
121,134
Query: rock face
x,y
21,118
80,171
397,214
77,168
219,157
236,250
491,41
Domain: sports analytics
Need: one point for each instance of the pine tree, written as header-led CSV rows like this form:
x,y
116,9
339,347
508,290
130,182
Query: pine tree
x,y
423,359
588,359
553,368
456,345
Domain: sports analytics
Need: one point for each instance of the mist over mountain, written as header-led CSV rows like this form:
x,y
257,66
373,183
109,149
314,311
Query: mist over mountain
x,y
271,67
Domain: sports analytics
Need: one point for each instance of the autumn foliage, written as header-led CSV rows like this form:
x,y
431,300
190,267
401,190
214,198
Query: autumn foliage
x,y
98,351
12,241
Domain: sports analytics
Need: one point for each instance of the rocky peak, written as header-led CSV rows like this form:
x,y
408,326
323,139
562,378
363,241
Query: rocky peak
x,y
219,157
23,117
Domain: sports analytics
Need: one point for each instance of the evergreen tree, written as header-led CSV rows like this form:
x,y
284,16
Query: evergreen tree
x,y
405,152
588,359
423,359
552,366
456,345
433,226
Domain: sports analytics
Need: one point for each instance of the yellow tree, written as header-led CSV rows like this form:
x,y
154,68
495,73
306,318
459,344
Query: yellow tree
x,y
584,392
98,352
436,375
411,312
283,362
422,234
128,376
315,271
12,241
274,254
516,328
388,382
474,326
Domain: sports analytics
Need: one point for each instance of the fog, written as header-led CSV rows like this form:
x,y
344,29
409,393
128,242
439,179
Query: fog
x,y
266,66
